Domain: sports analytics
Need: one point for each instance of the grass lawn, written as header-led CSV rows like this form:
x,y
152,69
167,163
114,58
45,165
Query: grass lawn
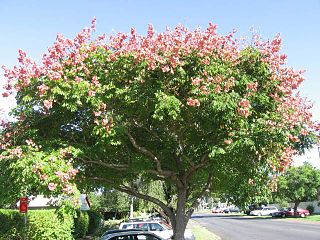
x,y
314,218
201,233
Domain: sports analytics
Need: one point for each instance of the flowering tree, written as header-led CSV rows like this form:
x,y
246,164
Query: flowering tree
x,y
193,109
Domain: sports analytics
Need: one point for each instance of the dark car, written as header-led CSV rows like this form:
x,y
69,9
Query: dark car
x,y
252,208
132,234
289,212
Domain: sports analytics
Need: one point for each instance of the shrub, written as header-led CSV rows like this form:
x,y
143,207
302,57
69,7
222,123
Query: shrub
x,y
94,222
108,225
12,224
81,224
42,224
45,225
310,208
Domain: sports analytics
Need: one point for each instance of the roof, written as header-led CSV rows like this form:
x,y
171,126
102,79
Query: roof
x,y
130,232
40,201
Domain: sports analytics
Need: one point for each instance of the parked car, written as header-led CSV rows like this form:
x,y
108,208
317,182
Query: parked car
x,y
159,228
130,234
251,208
264,211
232,210
289,212
218,210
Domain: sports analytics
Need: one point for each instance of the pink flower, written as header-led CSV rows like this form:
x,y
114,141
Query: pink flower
x,y
252,86
228,141
59,173
293,138
217,89
196,81
52,186
43,177
95,81
193,102
92,93
6,94
73,172
97,114
165,68
47,104
68,189
78,79
304,132
244,103
42,89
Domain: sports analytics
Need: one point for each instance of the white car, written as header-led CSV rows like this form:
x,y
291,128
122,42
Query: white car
x,y
264,211
159,228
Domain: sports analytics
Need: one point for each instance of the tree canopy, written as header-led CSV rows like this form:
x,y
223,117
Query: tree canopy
x,y
299,184
194,109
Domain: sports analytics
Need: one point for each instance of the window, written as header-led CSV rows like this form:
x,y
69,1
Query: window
x,y
136,237
143,226
155,227
127,226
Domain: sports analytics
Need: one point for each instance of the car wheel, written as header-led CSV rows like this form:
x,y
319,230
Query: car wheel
x,y
283,215
302,215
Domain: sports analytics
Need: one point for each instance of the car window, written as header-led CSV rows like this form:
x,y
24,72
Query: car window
x,y
143,226
155,227
127,226
135,237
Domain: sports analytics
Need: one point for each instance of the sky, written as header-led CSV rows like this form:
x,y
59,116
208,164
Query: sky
x,y
33,25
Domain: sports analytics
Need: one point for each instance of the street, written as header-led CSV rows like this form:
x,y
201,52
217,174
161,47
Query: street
x,y
232,227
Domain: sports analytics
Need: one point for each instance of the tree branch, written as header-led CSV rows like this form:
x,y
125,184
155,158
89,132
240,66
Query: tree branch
x,y
149,198
149,154
133,192
107,165
203,162
202,193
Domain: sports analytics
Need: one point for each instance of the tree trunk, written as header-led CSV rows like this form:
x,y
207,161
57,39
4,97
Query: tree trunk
x,y
179,224
296,204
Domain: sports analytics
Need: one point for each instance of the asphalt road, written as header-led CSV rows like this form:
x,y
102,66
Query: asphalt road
x,y
231,227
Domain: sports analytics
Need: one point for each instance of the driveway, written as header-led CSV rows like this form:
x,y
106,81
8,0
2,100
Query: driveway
x,y
232,227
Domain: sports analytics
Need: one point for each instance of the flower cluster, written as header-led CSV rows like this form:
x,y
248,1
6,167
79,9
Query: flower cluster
x,y
244,108
193,102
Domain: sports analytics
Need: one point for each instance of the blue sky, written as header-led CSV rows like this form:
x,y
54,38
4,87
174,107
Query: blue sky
x,y
32,25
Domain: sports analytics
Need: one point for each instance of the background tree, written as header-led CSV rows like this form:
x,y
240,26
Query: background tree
x,y
194,109
299,184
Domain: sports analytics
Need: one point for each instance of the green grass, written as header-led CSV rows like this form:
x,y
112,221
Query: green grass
x,y
201,233
314,218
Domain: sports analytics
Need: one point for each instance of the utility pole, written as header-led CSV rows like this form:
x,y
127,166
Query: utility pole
x,y
131,208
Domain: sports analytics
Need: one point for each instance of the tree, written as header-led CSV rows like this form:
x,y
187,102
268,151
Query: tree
x,y
299,184
193,109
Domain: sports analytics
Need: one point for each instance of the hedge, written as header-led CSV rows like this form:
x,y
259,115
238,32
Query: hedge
x,y
81,224
46,225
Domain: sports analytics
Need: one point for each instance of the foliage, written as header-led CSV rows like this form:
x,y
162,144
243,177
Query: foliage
x,y
193,109
299,184
310,208
110,224
81,224
94,221
42,224
12,225
110,200
45,224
